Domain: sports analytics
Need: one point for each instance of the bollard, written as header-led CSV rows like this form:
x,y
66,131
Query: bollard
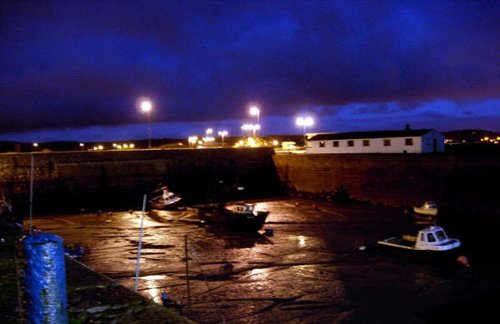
x,y
45,279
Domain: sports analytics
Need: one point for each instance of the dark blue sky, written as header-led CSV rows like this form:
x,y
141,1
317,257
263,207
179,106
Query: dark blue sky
x,y
73,70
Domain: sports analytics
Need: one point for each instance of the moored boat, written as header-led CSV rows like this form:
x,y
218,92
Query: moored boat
x,y
163,198
239,216
428,208
432,238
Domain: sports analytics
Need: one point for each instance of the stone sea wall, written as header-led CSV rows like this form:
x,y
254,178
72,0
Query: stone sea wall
x,y
119,179
460,182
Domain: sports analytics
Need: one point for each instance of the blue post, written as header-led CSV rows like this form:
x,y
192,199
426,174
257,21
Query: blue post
x,y
45,279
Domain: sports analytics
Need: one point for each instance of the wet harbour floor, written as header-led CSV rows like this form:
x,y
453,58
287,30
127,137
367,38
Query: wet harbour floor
x,y
311,270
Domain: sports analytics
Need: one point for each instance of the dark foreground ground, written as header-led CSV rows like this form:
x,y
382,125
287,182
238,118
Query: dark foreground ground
x,y
92,298
311,270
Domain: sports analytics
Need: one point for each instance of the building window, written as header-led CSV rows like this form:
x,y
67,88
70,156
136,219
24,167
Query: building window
x,y
366,142
335,143
409,141
350,143
387,142
321,144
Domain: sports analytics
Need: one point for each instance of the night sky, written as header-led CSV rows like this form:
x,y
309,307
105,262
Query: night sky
x,y
74,70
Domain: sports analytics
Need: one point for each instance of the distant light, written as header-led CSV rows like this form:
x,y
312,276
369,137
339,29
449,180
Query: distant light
x,y
276,143
193,139
251,141
304,121
254,111
146,106
222,133
209,131
82,144
35,144
131,145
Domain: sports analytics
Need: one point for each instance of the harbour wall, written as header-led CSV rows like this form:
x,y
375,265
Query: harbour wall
x,y
119,179
65,181
453,181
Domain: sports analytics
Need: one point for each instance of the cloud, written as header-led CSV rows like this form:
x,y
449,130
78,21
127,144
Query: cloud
x,y
79,64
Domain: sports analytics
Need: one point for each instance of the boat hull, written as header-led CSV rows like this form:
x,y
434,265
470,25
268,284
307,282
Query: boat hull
x,y
231,220
165,205
421,256
424,211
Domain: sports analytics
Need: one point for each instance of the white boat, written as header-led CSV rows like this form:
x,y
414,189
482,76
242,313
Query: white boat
x,y
432,238
163,198
429,208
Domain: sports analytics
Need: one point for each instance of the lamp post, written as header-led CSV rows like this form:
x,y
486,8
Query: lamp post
x,y
146,107
255,111
304,122
222,134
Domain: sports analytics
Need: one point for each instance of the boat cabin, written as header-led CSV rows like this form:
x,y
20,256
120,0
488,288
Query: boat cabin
x,y
243,208
432,236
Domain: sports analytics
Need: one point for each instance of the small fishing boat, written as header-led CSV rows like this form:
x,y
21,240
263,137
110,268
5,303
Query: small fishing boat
x,y
428,208
239,216
163,198
432,238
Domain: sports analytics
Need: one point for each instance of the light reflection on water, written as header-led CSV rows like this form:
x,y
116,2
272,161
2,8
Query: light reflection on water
x,y
301,241
152,283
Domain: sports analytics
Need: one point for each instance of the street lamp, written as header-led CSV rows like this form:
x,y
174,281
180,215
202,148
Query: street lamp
x,y
255,111
251,127
222,134
146,107
304,122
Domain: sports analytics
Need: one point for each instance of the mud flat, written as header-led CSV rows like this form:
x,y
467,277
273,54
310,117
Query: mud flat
x,y
310,269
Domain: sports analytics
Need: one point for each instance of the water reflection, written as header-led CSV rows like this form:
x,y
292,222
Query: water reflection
x,y
151,286
301,241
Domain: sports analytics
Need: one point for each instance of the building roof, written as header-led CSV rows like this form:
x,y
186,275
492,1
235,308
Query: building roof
x,y
370,134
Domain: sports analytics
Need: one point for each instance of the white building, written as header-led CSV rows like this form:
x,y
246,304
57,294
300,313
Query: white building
x,y
392,141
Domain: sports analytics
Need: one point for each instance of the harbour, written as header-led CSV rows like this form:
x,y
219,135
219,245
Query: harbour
x,y
309,268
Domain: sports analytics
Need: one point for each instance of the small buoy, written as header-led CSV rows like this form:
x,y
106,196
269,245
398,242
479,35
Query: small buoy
x,y
315,206
296,204
362,248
